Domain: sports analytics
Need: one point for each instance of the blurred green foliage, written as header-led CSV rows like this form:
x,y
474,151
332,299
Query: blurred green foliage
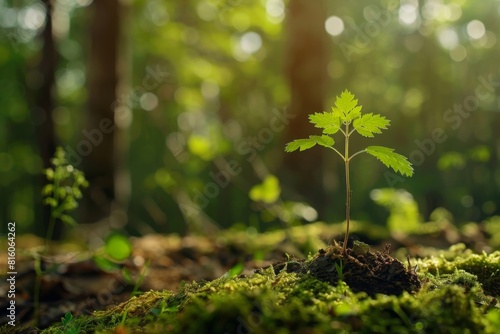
x,y
404,217
196,136
118,246
268,191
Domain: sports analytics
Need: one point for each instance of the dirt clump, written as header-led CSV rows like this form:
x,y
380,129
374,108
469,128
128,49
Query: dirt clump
x,y
362,269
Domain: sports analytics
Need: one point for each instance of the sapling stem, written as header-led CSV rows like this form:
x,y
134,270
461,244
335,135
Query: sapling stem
x,y
340,154
52,221
355,154
347,189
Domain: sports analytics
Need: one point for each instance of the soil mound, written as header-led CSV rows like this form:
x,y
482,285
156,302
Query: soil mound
x,y
360,268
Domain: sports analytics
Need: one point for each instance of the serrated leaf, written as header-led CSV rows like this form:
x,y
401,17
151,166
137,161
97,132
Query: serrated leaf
x,y
323,140
299,144
304,144
397,162
370,124
328,121
347,107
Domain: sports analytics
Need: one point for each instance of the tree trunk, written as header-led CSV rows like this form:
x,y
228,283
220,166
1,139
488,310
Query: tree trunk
x,y
42,110
97,145
306,71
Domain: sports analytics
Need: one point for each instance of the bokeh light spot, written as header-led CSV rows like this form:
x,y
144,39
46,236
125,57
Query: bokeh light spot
x,y
250,42
148,101
275,10
408,14
448,38
334,25
476,29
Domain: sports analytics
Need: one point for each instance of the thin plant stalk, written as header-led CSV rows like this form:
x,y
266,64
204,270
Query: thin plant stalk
x,y
36,296
347,187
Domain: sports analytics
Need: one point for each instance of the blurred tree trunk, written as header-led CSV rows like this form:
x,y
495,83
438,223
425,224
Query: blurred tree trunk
x,y
43,106
97,146
306,71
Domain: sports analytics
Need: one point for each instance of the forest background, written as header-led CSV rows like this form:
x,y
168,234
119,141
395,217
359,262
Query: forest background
x,y
178,111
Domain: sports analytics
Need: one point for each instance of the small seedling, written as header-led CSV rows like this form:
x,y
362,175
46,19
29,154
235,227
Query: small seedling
x,y
69,326
340,270
346,117
128,278
62,194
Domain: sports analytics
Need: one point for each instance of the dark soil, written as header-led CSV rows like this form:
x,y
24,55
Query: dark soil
x,y
362,269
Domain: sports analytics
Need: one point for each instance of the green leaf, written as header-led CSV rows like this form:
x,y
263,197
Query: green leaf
x,y
62,192
347,107
268,191
105,264
480,153
49,172
451,160
118,246
370,124
386,155
323,140
68,220
69,204
328,121
47,189
67,319
235,270
302,144
50,201
127,277
76,192
201,146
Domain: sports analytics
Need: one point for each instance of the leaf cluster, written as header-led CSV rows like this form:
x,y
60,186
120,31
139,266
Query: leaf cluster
x,y
346,117
64,189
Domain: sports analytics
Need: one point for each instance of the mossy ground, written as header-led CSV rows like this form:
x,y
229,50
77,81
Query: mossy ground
x,y
458,290
458,295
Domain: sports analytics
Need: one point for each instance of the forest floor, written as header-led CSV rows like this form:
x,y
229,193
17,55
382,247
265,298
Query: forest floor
x,y
76,285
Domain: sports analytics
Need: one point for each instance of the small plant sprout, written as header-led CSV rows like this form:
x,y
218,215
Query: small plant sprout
x,y
346,117
63,191
62,194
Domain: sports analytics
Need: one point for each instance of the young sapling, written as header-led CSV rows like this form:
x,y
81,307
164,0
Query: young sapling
x,y
346,117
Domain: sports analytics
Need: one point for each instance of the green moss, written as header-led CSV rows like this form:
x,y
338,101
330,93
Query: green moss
x,y
485,266
296,303
451,300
